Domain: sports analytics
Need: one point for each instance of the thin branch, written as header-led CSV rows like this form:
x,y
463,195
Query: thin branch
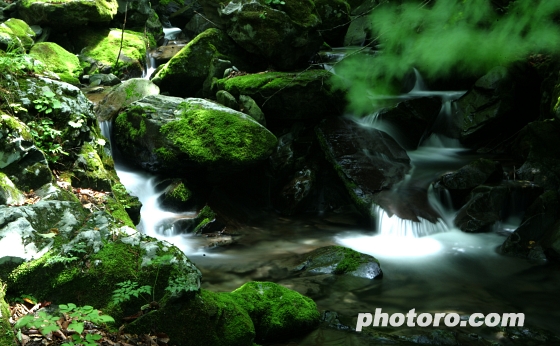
x,y
122,34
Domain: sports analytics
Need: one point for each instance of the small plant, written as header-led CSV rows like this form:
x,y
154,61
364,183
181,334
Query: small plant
x,y
262,15
47,102
47,138
78,249
128,289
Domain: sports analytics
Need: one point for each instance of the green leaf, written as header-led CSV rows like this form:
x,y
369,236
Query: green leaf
x,y
77,326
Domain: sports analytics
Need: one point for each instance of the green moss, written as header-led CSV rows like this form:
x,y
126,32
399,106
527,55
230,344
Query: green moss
x,y
181,193
15,125
350,262
204,217
21,30
7,336
208,318
275,310
118,211
166,154
58,60
133,123
212,135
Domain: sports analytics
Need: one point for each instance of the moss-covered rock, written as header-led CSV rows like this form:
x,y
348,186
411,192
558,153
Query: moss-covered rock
x,y
90,255
186,73
275,310
177,196
284,34
16,33
208,318
100,48
193,133
124,94
67,13
58,60
283,95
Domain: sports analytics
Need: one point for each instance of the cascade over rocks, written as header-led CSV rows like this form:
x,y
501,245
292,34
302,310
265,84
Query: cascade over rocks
x,y
461,182
367,160
286,35
164,134
413,119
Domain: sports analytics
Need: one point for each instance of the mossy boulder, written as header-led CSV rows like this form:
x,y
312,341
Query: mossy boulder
x,y
58,60
190,70
100,48
276,311
164,134
284,34
208,318
15,33
122,95
67,13
80,256
294,95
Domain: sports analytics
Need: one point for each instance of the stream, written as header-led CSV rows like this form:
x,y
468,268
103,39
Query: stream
x,y
429,267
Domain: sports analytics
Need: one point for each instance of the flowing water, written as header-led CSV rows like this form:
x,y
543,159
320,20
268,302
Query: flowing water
x,y
445,270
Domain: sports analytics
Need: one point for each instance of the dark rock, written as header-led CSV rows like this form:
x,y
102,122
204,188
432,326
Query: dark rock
x,y
538,147
285,35
499,105
296,191
488,204
367,160
539,230
335,20
461,182
177,197
413,119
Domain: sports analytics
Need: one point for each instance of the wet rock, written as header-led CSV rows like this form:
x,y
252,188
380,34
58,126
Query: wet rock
x,y
367,160
340,261
58,60
9,194
197,24
294,96
488,204
249,106
537,146
163,54
88,170
67,14
461,182
294,194
499,105
122,95
165,134
539,231
413,119
103,79
285,35
227,99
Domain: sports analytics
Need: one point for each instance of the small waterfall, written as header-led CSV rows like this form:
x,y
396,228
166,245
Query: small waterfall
x,y
154,220
150,66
